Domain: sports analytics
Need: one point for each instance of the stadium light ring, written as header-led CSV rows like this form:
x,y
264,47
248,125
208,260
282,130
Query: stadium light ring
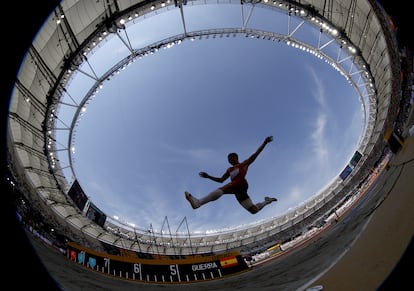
x,y
120,23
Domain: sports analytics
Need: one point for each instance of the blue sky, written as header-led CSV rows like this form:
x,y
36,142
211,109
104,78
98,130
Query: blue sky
x,y
150,130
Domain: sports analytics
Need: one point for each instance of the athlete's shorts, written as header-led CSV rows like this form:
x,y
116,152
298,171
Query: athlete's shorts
x,y
241,192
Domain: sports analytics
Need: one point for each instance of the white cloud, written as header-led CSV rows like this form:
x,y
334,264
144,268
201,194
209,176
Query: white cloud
x,y
319,141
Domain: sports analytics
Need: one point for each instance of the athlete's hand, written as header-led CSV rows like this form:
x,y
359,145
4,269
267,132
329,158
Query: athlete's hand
x,y
268,139
203,175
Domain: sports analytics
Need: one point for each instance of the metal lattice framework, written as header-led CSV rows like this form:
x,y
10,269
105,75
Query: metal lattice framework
x,y
354,38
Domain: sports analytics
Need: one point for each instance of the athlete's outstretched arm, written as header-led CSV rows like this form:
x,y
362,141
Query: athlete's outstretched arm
x,y
253,157
216,179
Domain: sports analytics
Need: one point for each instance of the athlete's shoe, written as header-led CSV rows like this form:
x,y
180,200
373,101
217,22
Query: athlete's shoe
x,y
190,199
270,199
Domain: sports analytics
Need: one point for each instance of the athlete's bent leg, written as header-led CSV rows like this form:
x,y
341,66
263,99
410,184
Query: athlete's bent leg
x,y
249,206
254,208
267,200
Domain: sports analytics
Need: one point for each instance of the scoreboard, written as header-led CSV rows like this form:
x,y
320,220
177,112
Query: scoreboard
x,y
189,269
